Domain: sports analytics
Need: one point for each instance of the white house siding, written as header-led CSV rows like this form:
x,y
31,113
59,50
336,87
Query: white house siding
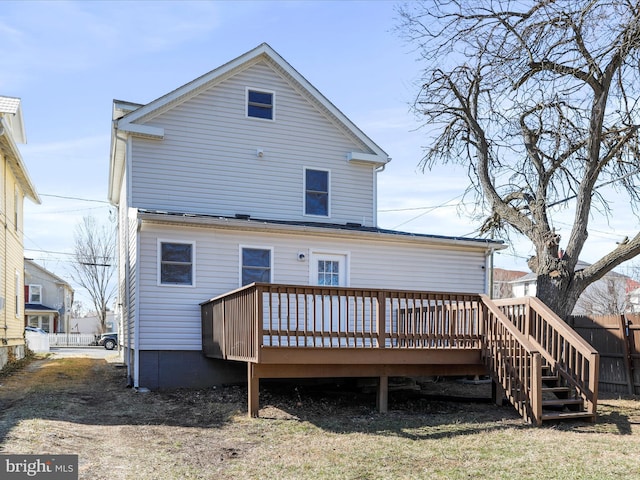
x,y
170,316
207,161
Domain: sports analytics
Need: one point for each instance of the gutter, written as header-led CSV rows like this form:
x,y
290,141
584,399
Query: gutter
x,y
319,231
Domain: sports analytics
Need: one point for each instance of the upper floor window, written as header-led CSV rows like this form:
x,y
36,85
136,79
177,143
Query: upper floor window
x,y
35,293
176,265
260,104
316,192
256,265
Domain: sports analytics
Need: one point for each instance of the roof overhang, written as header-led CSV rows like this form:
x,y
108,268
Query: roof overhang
x,y
317,230
15,161
38,309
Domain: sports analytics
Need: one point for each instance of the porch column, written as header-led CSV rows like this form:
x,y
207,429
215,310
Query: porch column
x,y
253,388
382,399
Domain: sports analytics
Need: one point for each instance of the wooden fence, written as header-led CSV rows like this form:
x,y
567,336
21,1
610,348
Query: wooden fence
x,y
72,339
617,339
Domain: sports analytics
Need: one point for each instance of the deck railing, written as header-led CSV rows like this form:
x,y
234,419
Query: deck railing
x,y
513,363
237,324
566,352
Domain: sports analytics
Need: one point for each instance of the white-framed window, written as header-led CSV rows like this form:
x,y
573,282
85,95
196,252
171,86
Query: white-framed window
x,y
40,321
317,192
176,263
35,294
261,103
256,264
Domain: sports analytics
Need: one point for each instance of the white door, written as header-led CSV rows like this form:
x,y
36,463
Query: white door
x,y
330,270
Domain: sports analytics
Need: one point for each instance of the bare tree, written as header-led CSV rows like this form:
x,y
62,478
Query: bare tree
x,y
540,100
95,248
608,296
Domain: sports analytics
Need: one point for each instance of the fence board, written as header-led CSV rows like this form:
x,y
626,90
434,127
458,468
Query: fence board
x,y
617,339
72,339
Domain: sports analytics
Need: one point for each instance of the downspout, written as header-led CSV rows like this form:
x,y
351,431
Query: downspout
x,y
136,315
489,269
3,206
376,170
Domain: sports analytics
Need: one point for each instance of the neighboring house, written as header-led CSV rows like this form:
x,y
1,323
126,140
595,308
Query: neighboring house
x,y
633,301
246,174
612,294
503,282
91,324
48,299
15,185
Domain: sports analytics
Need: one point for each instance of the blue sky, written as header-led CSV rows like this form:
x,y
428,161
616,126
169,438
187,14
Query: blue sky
x,y
67,61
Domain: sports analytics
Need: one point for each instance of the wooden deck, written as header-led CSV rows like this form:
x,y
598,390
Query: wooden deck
x,y
291,331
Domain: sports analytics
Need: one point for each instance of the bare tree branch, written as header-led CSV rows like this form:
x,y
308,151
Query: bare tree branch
x,y
540,100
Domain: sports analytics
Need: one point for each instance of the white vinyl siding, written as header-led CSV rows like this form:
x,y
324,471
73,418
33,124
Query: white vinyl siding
x,y
172,322
207,162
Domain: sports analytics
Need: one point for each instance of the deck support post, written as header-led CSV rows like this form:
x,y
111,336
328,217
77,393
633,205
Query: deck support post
x,y
382,399
253,390
497,393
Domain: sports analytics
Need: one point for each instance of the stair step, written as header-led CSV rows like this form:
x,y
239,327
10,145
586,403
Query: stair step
x,y
556,389
566,415
558,402
550,378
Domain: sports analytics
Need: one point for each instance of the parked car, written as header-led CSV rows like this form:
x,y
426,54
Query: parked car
x,y
109,340
29,328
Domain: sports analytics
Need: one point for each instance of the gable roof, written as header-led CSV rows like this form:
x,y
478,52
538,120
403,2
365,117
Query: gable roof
x,y
11,133
56,279
130,117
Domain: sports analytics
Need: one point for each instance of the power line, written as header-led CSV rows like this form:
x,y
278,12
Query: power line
x,y
73,198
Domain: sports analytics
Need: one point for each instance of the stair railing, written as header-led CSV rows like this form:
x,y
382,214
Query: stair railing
x,y
565,351
513,362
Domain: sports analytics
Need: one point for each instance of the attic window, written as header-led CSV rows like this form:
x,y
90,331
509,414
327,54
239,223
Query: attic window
x,y
260,104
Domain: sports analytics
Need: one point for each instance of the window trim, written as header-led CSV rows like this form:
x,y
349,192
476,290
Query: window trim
x,y
160,241
260,90
304,192
35,286
241,247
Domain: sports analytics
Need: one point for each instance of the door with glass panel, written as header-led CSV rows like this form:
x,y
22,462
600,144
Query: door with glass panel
x,y
329,314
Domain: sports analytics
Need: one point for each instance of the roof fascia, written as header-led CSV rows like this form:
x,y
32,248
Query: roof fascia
x,y
256,225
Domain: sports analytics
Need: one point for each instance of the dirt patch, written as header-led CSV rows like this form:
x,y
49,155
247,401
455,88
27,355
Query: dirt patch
x,y
83,406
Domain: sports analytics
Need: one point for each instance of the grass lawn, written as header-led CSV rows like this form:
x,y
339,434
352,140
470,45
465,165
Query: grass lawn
x,y
82,406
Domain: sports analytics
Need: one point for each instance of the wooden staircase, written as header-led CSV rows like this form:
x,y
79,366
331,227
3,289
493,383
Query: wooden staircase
x,y
541,365
559,400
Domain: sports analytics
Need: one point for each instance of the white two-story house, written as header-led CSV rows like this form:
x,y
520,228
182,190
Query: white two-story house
x,y
47,299
248,173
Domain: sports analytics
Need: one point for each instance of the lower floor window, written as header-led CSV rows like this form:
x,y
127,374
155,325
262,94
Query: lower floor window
x,y
256,265
40,321
176,263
